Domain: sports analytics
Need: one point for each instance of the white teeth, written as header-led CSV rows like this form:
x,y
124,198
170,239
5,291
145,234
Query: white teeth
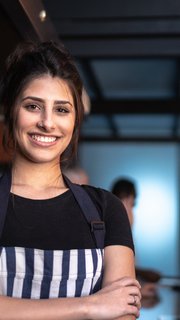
x,y
43,138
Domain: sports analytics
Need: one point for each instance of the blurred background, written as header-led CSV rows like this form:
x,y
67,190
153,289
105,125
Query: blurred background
x,y
128,54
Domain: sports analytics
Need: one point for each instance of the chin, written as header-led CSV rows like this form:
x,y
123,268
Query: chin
x,y
39,158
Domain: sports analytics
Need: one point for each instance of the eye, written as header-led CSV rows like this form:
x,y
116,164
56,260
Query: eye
x,y
32,107
62,110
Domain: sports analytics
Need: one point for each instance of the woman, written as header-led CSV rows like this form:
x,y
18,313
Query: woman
x,y
50,265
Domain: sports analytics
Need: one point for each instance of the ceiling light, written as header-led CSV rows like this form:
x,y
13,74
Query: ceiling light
x,y
42,15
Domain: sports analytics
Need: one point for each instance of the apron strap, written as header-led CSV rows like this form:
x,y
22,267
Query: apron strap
x,y
5,186
90,212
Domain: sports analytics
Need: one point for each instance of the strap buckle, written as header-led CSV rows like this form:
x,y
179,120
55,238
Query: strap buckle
x,y
97,225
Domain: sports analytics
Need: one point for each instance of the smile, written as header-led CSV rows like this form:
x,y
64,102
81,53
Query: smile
x,y
43,138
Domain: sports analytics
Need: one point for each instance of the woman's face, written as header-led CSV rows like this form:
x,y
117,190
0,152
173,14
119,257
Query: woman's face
x,y
45,120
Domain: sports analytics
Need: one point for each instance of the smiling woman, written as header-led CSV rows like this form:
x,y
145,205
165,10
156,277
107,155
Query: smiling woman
x,y
55,262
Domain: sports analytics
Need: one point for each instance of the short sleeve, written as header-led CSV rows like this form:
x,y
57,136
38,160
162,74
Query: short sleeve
x,y
112,211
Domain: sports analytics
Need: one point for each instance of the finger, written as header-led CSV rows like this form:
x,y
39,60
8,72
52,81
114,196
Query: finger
x,y
131,300
127,281
135,301
134,292
133,310
124,282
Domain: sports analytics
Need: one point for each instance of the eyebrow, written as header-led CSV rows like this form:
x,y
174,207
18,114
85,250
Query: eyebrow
x,y
42,100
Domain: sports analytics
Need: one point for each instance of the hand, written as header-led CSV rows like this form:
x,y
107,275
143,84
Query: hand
x,y
120,298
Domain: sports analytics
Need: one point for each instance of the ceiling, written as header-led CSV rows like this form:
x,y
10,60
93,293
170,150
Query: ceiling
x,y
127,52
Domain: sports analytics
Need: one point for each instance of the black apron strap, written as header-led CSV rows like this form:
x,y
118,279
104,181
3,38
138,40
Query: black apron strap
x,y
90,211
5,186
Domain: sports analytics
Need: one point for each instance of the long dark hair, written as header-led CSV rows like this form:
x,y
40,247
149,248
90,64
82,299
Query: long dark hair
x,y
30,61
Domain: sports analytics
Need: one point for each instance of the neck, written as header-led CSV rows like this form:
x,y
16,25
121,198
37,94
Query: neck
x,y
41,175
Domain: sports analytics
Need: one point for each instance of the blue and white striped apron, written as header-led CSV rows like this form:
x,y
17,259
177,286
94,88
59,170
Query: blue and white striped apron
x,y
40,274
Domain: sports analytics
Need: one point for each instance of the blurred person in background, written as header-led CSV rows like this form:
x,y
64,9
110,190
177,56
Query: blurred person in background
x,y
125,190
76,174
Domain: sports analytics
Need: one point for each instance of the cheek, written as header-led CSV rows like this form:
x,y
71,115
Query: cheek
x,y
26,120
21,125
21,120
68,125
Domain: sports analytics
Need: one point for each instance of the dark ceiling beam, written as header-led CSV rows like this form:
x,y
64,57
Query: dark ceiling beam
x,y
112,126
116,28
113,8
176,122
92,81
113,48
19,19
25,16
91,78
135,106
44,29
8,34
130,139
176,125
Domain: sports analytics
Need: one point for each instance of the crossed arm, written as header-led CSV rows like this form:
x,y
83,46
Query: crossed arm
x,y
114,300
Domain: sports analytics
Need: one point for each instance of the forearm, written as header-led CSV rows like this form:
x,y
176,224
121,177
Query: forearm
x,y
124,267
109,303
45,309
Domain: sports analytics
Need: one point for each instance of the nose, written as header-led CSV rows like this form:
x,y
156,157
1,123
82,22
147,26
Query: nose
x,y
47,121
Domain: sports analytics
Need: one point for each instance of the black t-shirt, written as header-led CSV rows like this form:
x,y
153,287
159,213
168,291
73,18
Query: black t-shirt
x,y
59,223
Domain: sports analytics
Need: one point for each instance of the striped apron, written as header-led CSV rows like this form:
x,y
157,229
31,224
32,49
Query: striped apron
x,y
41,274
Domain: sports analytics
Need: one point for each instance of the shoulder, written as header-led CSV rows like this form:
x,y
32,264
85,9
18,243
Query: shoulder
x,y
99,193
104,199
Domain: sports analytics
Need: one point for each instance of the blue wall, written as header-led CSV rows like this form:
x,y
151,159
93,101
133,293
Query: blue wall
x,y
154,167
